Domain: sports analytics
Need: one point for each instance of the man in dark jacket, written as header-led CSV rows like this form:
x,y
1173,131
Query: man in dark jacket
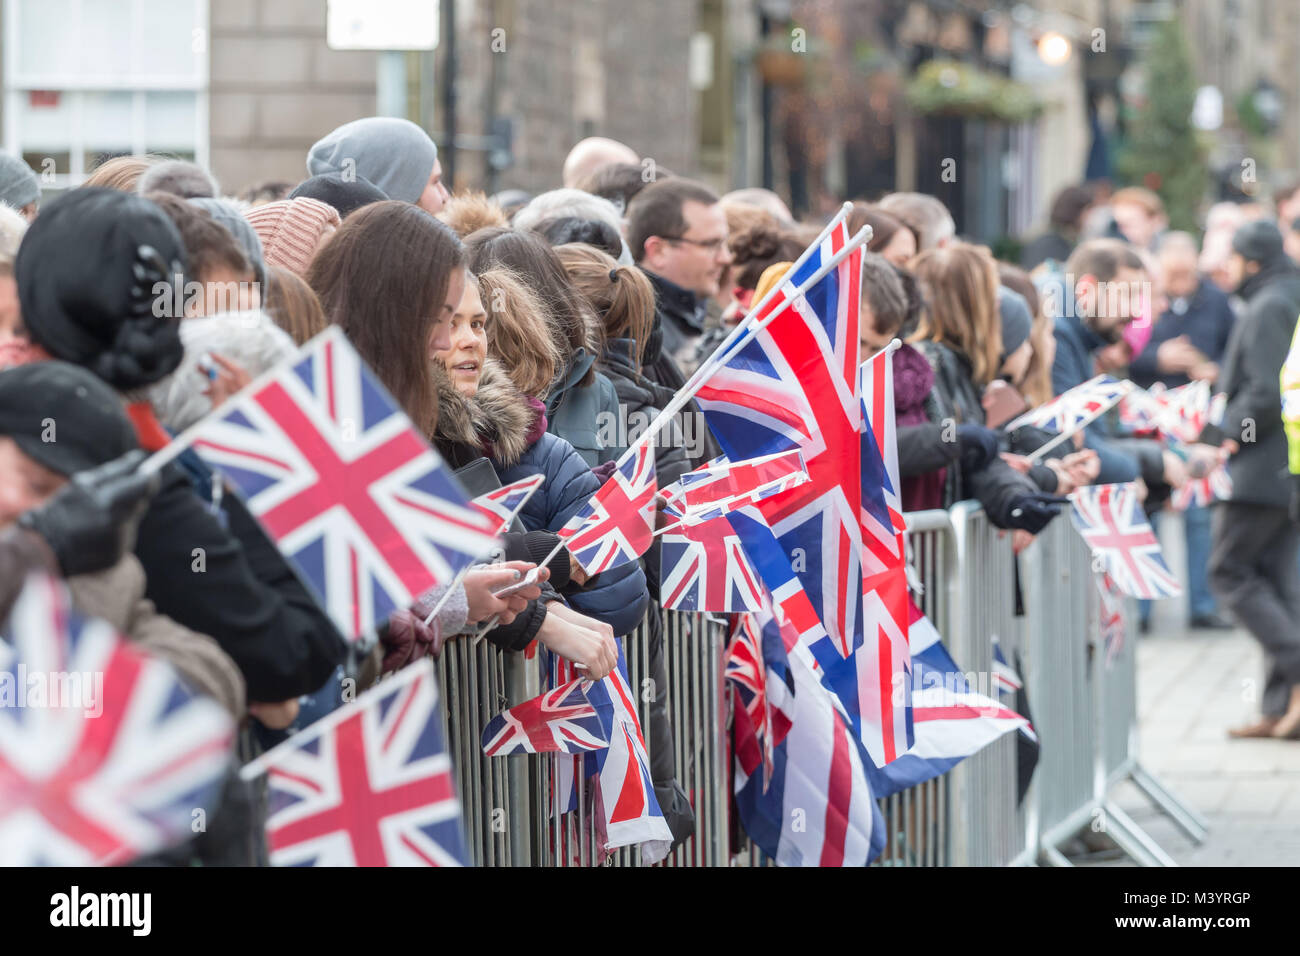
x,y
1108,283
1187,342
1253,562
677,231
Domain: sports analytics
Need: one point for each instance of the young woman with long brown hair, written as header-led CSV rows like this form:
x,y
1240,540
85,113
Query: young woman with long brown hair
x,y
960,334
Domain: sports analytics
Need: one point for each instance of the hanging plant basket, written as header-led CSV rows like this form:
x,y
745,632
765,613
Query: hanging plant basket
x,y
952,88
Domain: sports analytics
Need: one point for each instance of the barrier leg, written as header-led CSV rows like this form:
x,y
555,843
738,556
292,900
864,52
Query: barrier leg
x,y
1132,839
1188,820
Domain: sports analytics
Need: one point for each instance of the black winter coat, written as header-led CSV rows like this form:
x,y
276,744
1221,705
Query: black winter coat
x,y
235,586
956,398
1250,377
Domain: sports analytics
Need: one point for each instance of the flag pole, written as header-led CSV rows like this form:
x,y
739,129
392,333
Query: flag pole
x,y
1082,424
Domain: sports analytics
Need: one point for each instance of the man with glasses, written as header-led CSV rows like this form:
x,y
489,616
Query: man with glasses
x,y
677,232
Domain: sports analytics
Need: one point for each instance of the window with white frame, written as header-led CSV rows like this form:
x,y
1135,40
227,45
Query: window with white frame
x,y
86,80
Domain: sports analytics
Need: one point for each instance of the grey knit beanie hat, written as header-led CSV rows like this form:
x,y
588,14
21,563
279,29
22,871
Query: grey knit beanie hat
x,y
18,184
394,154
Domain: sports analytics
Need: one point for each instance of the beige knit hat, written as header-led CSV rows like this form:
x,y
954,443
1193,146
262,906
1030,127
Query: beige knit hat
x,y
291,229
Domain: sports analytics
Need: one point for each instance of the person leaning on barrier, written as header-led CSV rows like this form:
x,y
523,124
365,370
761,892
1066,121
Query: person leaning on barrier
x,y
87,272
960,336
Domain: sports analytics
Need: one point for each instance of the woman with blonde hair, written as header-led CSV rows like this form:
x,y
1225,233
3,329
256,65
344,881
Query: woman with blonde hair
x,y
960,335
121,172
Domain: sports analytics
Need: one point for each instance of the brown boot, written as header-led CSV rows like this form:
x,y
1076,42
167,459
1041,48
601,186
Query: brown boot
x,y
1288,726
1264,728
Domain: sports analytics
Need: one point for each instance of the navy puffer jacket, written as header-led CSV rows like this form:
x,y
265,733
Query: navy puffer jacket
x,y
501,423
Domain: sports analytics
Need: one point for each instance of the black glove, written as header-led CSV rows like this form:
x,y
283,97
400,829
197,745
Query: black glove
x,y
1032,512
91,521
979,446
1295,499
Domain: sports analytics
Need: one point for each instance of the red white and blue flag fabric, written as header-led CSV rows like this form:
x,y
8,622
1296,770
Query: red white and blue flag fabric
x,y
364,510
876,384
623,799
1110,519
369,785
616,526
562,720
1075,406
704,567
816,807
722,486
762,715
1214,485
1110,616
952,721
500,505
793,385
105,754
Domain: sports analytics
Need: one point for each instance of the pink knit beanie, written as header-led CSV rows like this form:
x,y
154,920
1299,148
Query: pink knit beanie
x,y
290,230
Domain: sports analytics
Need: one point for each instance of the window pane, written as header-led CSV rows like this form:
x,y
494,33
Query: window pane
x,y
168,39
106,121
48,126
105,38
170,122
43,37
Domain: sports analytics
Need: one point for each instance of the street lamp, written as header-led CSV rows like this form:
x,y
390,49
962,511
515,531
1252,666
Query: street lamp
x,y
1054,48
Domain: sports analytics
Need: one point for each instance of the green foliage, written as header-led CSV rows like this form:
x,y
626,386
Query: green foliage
x,y
1163,151
952,88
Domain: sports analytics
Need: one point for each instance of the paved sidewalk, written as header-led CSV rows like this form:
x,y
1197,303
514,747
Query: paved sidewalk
x,y
1192,686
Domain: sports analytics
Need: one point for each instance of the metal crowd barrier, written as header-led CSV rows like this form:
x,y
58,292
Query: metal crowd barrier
x,y
1084,704
1084,711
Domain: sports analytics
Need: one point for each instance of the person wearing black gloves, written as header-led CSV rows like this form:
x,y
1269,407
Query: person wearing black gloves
x,y
960,335
97,274
85,526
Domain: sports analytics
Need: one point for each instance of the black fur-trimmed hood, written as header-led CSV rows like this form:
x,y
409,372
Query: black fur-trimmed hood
x,y
497,421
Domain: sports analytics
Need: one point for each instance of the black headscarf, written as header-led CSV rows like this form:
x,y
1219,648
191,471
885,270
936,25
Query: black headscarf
x,y
95,275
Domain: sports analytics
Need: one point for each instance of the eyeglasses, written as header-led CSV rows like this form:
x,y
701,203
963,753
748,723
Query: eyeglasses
x,y
711,245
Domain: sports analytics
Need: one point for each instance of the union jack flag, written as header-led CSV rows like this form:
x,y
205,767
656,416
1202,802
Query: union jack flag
x,y
1110,616
762,719
354,497
1185,411
1111,521
368,785
1076,406
623,798
704,567
1215,485
876,386
952,721
816,807
724,486
500,505
1141,408
793,385
111,761
561,720
617,524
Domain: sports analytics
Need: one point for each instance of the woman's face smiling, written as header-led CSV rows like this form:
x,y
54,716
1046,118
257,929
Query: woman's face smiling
x,y
467,349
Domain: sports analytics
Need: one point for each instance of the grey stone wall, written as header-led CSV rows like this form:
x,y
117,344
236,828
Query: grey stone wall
x,y
276,88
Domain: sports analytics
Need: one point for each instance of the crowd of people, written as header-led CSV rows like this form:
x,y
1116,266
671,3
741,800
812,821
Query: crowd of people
x,y
529,335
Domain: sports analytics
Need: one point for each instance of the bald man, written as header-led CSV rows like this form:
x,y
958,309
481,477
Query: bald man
x,y
592,153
